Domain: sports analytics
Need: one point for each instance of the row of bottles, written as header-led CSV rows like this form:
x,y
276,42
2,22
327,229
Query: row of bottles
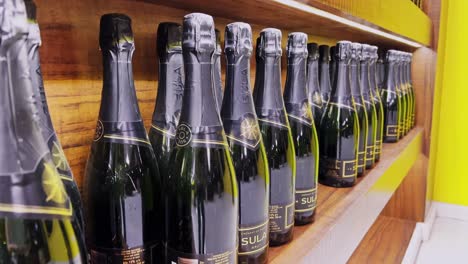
x,y
40,206
398,96
218,179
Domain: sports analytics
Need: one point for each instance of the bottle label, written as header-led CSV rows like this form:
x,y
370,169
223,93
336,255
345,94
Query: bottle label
x,y
339,168
392,132
370,154
361,159
281,217
253,239
136,255
177,257
122,132
244,132
211,137
38,198
306,200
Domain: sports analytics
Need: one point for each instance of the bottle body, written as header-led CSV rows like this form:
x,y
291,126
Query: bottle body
x,y
122,183
247,148
339,130
276,135
391,102
302,125
202,192
374,93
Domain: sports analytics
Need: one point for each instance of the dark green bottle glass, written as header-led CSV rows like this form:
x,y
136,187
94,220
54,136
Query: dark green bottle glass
x,y
246,144
168,103
36,213
217,82
359,105
369,104
410,82
46,126
122,184
339,128
303,129
324,74
313,85
202,191
375,94
401,95
380,68
390,100
408,89
277,137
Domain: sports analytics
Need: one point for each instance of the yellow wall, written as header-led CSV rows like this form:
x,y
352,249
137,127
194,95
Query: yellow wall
x,y
449,148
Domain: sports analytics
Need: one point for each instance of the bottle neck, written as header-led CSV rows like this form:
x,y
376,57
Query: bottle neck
x,y
373,76
312,74
199,105
364,77
267,94
398,74
239,101
295,90
38,85
324,71
354,76
170,90
390,77
341,89
118,102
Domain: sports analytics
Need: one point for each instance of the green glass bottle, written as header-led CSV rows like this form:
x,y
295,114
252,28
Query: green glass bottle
x,y
313,85
36,213
339,128
47,128
374,92
168,103
410,82
202,190
401,95
409,91
121,184
303,129
359,105
369,104
246,144
277,137
390,101
324,74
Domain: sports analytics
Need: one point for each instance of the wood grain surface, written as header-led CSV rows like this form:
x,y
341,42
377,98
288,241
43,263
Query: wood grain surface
x,y
385,242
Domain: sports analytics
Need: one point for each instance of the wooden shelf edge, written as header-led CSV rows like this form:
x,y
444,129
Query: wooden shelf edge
x,y
345,215
407,22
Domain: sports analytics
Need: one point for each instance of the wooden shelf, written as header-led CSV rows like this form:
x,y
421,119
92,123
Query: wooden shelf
x,y
386,241
406,21
345,215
